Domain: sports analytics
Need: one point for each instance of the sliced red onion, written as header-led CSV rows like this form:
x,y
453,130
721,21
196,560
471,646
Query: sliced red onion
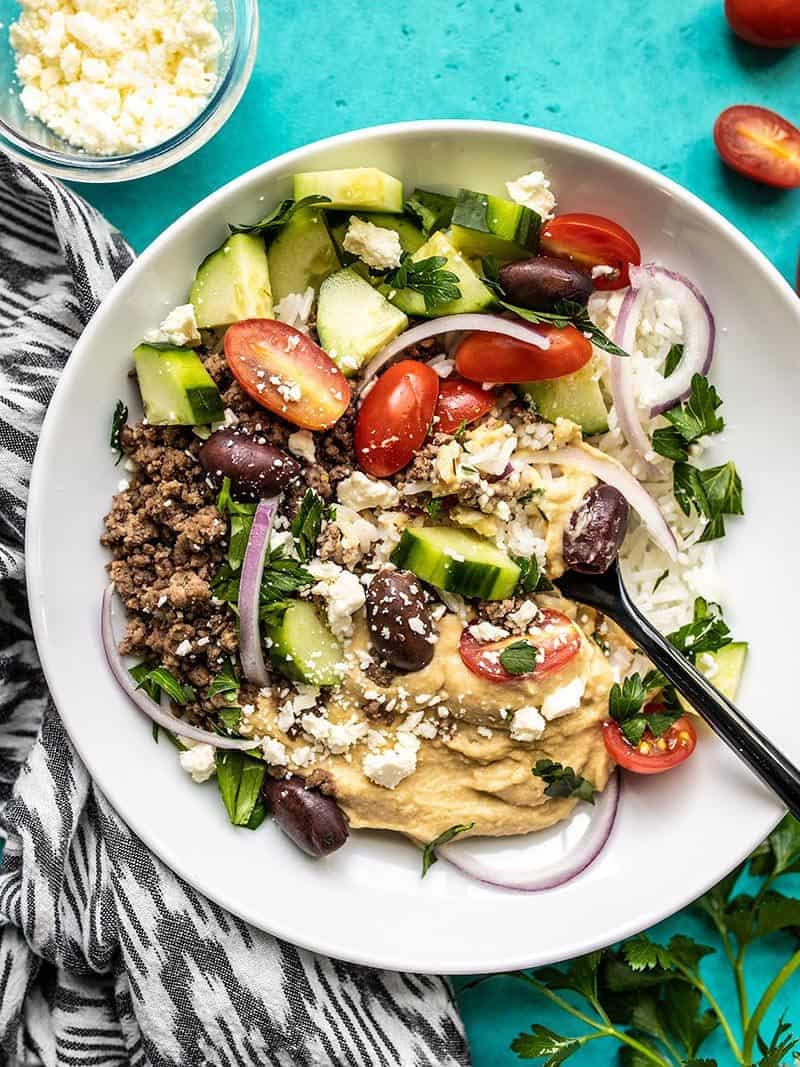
x,y
159,713
613,473
515,862
699,331
622,391
446,324
250,650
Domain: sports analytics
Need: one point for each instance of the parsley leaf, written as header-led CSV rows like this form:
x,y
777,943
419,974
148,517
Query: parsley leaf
x,y
544,1042
566,313
118,420
231,717
429,856
563,781
625,703
491,275
531,579
519,657
225,683
239,778
668,442
627,699
434,507
697,415
307,524
674,356
661,578
433,211
706,633
426,277
282,577
154,679
280,216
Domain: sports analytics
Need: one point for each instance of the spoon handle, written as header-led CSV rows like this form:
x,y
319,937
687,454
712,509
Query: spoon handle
x,y
764,759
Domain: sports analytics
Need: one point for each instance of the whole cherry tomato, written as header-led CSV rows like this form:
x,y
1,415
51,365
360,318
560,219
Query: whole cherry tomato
x,y
460,402
395,417
773,23
555,637
592,241
760,144
494,357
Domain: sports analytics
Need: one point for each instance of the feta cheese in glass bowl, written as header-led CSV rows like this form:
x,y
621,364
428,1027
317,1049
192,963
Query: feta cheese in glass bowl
x,y
89,98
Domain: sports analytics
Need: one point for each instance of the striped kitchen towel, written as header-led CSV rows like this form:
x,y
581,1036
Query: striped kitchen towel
x,y
106,957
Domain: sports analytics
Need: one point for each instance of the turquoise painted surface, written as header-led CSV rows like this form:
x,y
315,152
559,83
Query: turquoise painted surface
x,y
645,78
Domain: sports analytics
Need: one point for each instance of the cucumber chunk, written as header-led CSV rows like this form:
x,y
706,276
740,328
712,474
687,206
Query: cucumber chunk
x,y
364,188
176,388
434,210
354,321
725,672
573,396
411,237
302,255
474,294
303,648
485,225
457,560
233,283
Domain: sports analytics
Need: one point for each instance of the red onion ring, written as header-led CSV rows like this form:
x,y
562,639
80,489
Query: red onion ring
x,y
142,701
613,473
447,324
477,856
250,650
622,379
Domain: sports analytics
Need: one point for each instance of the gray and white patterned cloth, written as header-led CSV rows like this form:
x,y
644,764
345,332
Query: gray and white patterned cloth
x,y
107,958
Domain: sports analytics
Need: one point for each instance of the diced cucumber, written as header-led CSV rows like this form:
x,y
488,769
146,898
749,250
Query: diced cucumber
x,y
724,673
411,237
302,255
574,396
434,210
303,648
457,560
354,321
364,188
233,283
474,294
490,226
176,388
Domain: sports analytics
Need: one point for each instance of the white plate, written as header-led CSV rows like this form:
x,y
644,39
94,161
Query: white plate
x,y
675,835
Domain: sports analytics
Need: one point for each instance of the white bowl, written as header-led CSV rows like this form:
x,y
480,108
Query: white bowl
x,y
676,834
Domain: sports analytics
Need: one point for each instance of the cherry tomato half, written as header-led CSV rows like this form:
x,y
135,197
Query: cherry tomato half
x,y
460,402
493,357
653,754
284,371
556,638
773,23
395,417
592,241
759,144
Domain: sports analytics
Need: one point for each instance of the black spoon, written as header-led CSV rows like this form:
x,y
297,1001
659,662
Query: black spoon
x,y
607,593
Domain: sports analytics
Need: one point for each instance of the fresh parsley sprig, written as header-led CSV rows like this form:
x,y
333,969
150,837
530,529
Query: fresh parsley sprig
x,y
118,420
563,781
708,631
429,856
279,216
520,657
531,579
689,421
625,704
427,277
155,679
307,523
568,313
240,778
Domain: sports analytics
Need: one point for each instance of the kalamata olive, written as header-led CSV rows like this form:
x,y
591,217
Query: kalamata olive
x,y
312,820
539,283
255,469
596,530
399,620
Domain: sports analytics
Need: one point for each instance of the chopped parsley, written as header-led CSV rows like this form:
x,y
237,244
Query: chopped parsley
x,y
569,313
118,420
280,216
519,657
155,679
429,856
307,524
563,781
529,495
282,578
240,778
427,277
491,275
625,704
225,683
689,421
674,356
661,578
241,521
531,579
435,506
707,632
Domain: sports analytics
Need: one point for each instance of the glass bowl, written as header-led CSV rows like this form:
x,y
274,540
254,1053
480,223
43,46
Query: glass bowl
x,y
30,141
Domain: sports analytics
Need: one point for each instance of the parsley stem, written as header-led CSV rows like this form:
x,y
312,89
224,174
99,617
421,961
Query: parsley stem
x,y
699,984
769,994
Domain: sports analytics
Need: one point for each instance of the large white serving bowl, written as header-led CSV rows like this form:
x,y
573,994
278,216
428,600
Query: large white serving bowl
x,y
675,834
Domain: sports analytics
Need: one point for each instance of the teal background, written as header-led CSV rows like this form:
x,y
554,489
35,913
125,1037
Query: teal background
x,y
645,77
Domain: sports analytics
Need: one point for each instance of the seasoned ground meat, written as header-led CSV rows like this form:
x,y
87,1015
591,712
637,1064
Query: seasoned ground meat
x,y
380,675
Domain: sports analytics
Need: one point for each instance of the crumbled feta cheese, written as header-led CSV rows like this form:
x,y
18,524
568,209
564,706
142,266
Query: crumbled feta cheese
x,y
179,328
199,761
274,752
564,700
533,191
290,710
358,534
524,615
302,756
337,737
344,595
602,270
374,245
527,724
487,631
443,365
389,767
360,492
490,449
301,443
295,309
114,77
184,648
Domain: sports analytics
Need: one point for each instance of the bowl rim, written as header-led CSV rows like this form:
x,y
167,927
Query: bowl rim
x,y
118,168
264,173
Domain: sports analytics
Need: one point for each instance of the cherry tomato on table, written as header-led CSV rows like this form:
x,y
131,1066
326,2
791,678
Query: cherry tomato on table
x,y
494,357
395,417
592,241
759,144
284,371
653,754
773,23
555,636
460,402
